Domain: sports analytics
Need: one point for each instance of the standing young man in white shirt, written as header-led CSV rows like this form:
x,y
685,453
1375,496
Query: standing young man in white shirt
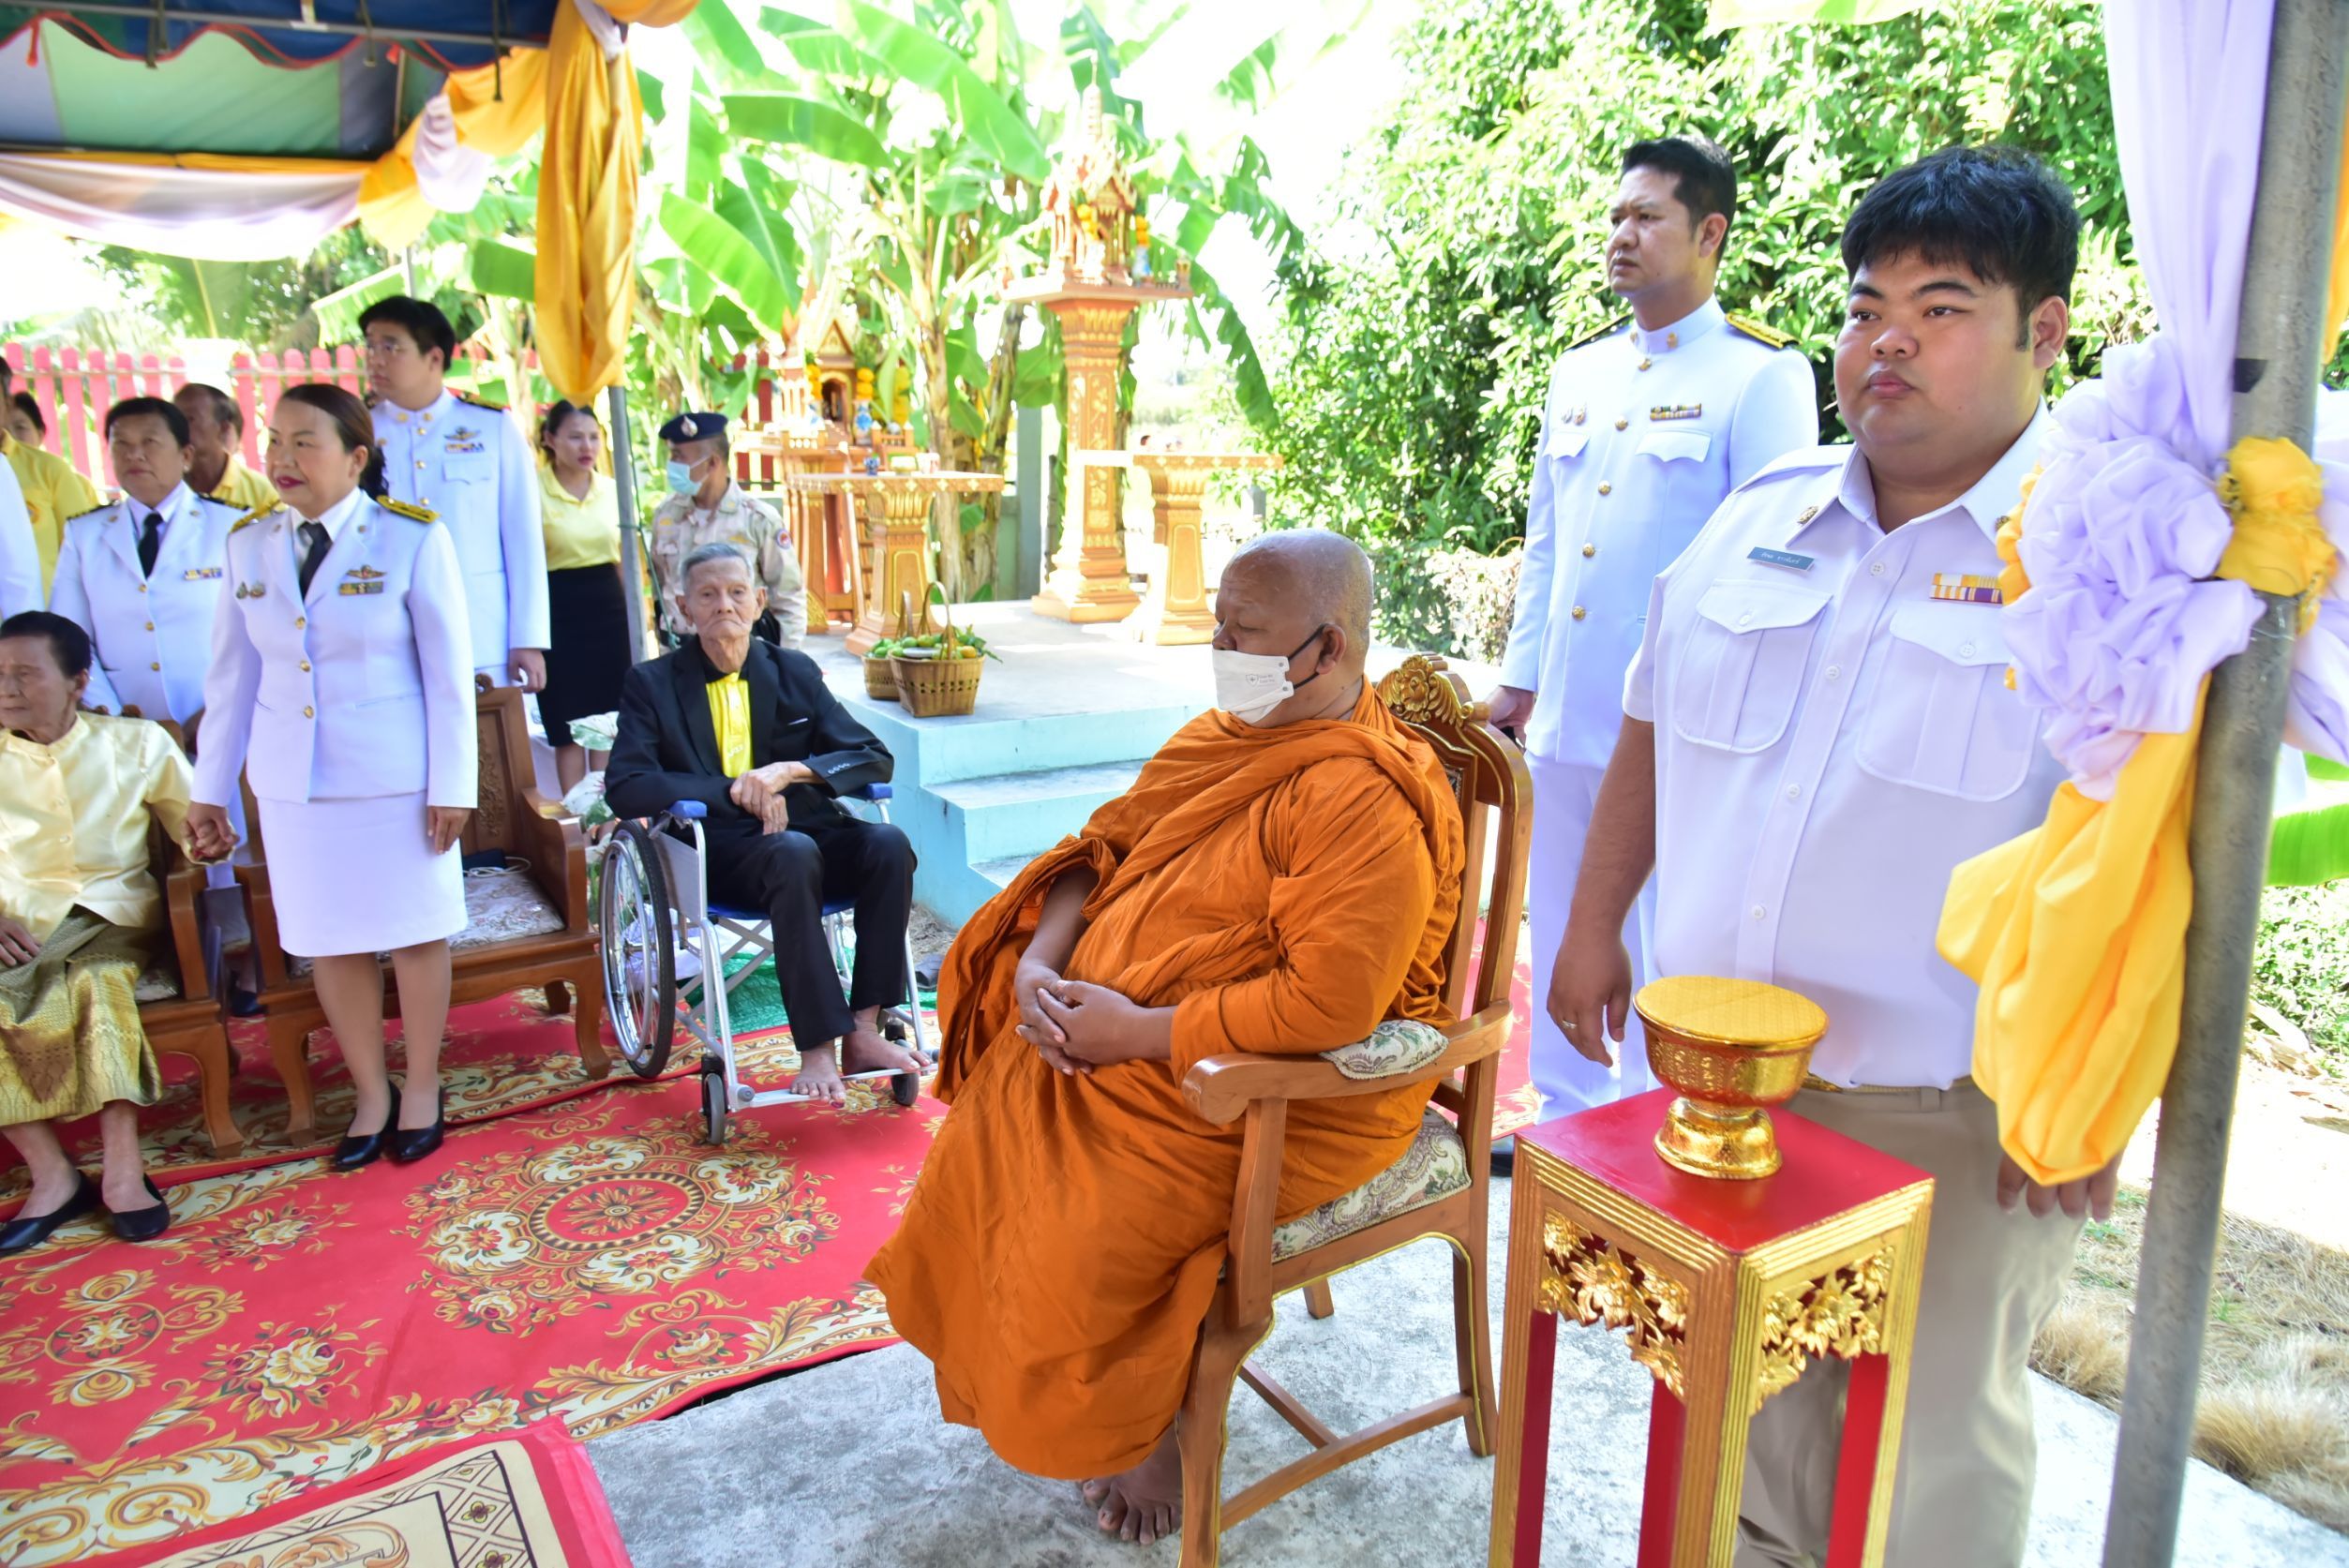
x,y
1647,425
470,466
1816,730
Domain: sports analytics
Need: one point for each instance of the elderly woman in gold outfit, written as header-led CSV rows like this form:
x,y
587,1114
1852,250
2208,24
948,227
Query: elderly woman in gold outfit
x,y
78,909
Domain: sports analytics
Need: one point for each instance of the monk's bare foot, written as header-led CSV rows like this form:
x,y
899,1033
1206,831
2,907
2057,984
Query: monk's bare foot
x,y
1144,1503
819,1075
863,1050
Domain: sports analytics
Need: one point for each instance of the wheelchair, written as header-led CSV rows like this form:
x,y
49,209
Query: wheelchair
x,y
654,884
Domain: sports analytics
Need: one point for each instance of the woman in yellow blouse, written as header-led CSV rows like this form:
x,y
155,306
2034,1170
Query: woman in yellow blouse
x,y
586,596
78,914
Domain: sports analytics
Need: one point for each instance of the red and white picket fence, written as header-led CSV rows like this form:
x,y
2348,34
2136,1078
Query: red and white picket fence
x,y
74,388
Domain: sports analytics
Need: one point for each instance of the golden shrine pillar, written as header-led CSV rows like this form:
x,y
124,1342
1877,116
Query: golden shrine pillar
x,y
893,568
1176,610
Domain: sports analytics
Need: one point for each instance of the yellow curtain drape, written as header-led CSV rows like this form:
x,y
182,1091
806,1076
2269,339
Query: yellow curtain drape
x,y
498,109
587,207
2076,932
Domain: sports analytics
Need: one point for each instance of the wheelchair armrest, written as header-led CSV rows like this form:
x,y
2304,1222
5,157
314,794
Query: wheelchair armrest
x,y
689,811
870,792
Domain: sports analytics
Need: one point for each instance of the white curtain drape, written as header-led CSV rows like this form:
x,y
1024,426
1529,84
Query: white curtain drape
x,y
214,214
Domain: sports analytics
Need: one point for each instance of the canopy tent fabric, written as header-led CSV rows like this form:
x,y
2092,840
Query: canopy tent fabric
x,y
218,204
453,34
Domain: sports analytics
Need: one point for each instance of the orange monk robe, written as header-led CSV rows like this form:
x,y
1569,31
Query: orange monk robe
x,y
1285,889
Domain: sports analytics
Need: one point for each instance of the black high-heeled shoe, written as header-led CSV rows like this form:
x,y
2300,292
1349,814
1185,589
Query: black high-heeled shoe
x,y
411,1143
32,1230
357,1149
143,1224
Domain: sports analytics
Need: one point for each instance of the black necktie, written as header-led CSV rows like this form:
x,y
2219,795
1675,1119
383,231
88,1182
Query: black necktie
x,y
150,544
316,541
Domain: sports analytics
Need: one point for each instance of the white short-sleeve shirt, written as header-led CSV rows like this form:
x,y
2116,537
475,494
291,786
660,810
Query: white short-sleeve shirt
x,y
1833,735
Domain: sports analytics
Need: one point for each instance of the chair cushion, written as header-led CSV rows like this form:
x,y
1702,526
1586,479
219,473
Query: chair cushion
x,y
502,905
1398,1045
1436,1166
157,984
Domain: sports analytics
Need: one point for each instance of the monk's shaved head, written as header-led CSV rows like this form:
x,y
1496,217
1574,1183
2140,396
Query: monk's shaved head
x,y
1324,576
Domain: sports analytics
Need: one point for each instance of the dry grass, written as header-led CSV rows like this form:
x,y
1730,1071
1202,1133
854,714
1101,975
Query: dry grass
x,y
2274,1411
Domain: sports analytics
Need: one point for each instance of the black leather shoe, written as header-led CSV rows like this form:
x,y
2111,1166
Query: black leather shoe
x,y
1505,1157
358,1149
143,1224
31,1230
243,1003
411,1143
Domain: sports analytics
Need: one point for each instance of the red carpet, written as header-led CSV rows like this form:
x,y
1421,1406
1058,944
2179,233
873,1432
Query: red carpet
x,y
591,1263
530,1498
501,1055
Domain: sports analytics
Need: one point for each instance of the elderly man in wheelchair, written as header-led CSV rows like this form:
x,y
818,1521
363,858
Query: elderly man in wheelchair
x,y
733,748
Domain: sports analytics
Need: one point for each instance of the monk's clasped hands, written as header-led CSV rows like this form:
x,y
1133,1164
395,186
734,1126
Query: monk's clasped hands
x,y
1100,1026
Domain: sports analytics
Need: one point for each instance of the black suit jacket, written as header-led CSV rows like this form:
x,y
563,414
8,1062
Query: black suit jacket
x,y
666,748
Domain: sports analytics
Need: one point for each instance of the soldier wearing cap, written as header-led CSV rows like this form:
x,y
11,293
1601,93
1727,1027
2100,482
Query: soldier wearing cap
x,y
705,506
467,464
1647,425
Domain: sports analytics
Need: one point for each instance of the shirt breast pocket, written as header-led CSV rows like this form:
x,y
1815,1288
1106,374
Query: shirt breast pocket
x,y
1566,441
469,468
1741,673
1941,718
1668,447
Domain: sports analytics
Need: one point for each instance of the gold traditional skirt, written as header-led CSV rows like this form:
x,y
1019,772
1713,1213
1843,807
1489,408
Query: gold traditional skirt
x,y
69,1035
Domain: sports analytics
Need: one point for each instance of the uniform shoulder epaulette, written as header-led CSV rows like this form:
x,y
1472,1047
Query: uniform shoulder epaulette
x,y
1607,331
91,511
1770,338
477,402
255,515
408,509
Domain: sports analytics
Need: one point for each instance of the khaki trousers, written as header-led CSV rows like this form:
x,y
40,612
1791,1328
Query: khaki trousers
x,y
1968,1455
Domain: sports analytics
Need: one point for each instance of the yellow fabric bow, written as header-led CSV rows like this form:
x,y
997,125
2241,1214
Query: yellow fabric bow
x,y
2076,932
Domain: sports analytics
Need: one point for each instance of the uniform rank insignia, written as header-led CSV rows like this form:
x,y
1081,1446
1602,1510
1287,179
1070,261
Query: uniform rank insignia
x,y
360,579
1953,589
408,509
251,590
464,433
199,573
1678,410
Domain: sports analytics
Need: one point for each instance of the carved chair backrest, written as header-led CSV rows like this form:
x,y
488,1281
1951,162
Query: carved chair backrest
x,y
1496,795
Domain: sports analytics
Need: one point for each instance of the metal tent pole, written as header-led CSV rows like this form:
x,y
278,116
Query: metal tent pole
x,y
624,482
2279,348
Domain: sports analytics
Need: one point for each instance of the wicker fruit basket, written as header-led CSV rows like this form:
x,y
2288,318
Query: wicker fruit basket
x,y
936,675
880,678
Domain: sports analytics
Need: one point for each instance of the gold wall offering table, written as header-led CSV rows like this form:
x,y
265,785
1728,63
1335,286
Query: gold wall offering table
x,y
1728,1283
1175,609
895,508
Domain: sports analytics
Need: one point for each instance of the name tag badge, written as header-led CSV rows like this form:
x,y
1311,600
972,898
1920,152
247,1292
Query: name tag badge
x,y
1787,559
199,573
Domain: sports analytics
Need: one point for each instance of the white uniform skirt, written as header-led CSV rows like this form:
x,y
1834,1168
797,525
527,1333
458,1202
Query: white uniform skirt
x,y
357,875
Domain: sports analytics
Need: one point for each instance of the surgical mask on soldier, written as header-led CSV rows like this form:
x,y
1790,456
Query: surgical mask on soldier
x,y
1249,686
681,476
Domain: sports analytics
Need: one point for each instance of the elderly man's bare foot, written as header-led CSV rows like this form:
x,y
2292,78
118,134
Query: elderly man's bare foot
x,y
819,1075
1144,1503
863,1050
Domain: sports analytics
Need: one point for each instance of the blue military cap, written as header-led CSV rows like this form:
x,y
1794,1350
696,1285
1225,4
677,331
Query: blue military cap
x,y
693,427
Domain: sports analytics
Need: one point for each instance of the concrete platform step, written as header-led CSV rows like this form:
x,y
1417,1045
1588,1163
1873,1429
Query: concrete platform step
x,y
1000,872
1007,814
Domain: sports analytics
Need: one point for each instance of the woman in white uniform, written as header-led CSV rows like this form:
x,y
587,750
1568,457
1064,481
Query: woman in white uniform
x,y
342,673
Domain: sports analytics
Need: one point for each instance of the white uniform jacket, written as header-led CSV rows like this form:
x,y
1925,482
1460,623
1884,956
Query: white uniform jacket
x,y
1643,433
362,687
469,465
1833,735
151,633
19,555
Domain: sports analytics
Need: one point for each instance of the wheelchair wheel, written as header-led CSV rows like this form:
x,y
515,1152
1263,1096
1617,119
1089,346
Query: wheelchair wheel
x,y
713,1108
905,1087
639,973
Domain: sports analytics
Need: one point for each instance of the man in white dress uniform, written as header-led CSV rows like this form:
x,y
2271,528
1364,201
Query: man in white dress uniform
x,y
469,465
141,575
1647,425
1817,731
19,557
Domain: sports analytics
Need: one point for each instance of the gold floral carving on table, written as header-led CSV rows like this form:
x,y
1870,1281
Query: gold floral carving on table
x,y
1839,1314
1593,1281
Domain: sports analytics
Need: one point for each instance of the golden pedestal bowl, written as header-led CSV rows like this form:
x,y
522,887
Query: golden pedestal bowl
x,y
1732,1049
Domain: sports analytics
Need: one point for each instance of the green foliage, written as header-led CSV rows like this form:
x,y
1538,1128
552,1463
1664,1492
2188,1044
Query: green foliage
x,y
263,303
2300,965
1418,337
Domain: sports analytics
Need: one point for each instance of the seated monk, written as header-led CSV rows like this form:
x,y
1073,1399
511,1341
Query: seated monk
x,y
750,730
1281,878
79,912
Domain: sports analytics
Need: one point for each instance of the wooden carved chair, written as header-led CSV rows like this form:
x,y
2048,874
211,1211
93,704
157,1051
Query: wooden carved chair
x,y
525,927
1439,1190
179,1007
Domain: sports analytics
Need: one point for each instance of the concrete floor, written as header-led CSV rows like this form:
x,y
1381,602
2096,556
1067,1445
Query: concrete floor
x,y
848,1465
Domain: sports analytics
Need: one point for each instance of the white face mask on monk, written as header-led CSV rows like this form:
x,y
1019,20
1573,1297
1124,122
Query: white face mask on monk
x,y
1249,686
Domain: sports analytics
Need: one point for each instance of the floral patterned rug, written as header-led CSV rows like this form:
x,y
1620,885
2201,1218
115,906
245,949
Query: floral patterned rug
x,y
592,1263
